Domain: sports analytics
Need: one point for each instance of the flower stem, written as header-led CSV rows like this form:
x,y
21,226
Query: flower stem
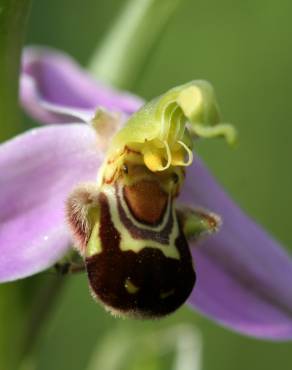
x,y
13,19
43,306
50,287
127,47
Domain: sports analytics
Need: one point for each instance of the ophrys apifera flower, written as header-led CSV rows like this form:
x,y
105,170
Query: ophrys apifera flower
x,y
131,232
241,272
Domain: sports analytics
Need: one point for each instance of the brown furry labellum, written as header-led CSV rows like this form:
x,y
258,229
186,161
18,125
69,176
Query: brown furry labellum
x,y
142,283
136,255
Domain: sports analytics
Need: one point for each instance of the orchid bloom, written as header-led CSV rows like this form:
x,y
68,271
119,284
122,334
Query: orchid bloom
x,y
243,274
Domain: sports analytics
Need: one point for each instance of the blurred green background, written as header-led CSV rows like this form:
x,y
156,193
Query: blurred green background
x,y
245,49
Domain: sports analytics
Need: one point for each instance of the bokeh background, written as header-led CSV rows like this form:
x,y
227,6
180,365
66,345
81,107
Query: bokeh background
x,y
245,49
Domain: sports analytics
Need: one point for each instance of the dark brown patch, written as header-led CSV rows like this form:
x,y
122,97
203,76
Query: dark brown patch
x,y
163,283
146,201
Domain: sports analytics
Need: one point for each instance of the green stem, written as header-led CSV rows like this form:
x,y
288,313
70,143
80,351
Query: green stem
x,y
45,299
121,57
12,312
13,19
42,307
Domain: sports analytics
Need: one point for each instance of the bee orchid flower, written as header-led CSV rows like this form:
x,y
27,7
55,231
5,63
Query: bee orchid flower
x,y
242,274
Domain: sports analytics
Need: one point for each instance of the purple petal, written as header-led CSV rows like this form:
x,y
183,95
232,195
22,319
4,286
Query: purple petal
x,y
52,84
244,276
38,169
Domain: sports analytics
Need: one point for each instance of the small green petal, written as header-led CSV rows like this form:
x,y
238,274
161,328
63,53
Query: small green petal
x,y
164,129
197,223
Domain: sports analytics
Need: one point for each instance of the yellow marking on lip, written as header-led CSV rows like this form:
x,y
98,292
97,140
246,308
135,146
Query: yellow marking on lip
x,y
167,294
131,287
94,245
